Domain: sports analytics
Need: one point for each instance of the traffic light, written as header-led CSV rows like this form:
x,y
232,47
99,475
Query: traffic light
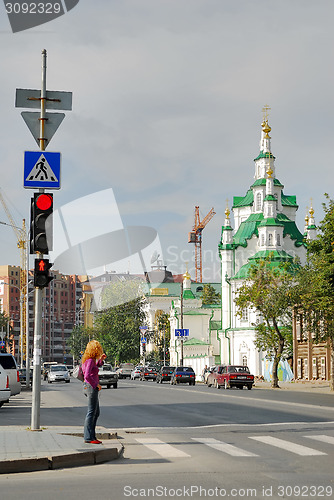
x,y
41,223
42,277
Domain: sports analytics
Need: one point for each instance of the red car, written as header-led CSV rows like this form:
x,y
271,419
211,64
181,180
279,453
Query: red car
x,y
214,376
232,376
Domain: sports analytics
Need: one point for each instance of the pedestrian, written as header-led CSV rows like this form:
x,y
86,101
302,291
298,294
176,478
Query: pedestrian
x,y
92,359
205,370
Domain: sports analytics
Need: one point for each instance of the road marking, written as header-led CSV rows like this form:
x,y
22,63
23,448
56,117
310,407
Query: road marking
x,y
163,449
287,445
322,438
225,447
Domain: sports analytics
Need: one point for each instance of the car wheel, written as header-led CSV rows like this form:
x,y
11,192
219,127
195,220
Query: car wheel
x,y
67,381
49,381
249,386
108,386
115,386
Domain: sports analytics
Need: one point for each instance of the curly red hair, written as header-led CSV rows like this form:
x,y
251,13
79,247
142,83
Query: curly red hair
x,y
93,350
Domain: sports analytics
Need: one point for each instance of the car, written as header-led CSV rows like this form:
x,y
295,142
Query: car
x,y
125,369
236,376
4,386
108,376
8,363
183,375
165,374
46,367
135,373
207,373
58,373
148,373
23,375
214,376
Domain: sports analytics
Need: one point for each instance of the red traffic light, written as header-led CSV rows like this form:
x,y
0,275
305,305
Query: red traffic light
x,y
44,201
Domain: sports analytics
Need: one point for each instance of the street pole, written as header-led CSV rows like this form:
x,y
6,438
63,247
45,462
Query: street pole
x,y
36,387
181,318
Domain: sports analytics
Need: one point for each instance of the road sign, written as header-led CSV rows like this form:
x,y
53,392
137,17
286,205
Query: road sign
x,y
143,340
2,343
182,332
143,328
41,170
52,122
30,98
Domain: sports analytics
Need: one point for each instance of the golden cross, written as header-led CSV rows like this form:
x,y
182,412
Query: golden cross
x,y
265,111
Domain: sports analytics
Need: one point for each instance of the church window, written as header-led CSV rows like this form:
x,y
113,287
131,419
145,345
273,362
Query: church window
x,y
258,201
244,360
244,316
262,240
278,239
270,239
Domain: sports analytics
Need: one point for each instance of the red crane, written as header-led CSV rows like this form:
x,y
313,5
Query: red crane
x,y
195,236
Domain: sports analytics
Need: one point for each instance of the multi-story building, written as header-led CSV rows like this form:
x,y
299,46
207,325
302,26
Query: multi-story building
x,y
61,311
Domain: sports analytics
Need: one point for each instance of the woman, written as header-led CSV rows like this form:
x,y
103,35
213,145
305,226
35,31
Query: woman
x,y
91,361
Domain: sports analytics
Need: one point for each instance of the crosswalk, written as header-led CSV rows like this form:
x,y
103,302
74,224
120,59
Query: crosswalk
x,y
167,450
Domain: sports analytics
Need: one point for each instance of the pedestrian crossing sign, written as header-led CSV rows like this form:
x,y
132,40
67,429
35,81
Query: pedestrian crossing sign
x,y
41,170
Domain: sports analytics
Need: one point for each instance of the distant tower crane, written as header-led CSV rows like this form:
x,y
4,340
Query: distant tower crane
x,y
21,235
195,236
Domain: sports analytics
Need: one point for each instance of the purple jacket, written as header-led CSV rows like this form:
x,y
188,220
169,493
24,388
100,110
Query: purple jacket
x,y
90,369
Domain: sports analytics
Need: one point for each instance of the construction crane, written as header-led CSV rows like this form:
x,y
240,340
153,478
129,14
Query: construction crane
x,y
195,236
21,235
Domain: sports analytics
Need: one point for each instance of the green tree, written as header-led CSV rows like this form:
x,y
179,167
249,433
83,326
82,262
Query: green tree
x,y
209,295
78,340
6,331
269,289
163,335
316,284
117,325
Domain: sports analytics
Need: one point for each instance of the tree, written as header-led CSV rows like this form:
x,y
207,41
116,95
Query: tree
x,y
209,295
269,289
6,331
163,334
117,325
316,284
78,340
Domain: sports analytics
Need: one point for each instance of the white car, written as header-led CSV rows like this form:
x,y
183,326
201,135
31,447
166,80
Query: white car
x,y
8,364
4,387
58,373
135,373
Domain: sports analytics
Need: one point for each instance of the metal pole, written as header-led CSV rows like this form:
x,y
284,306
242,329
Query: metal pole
x,y
181,318
27,322
36,388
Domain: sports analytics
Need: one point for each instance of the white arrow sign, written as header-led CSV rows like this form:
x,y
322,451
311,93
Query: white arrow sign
x,y
52,122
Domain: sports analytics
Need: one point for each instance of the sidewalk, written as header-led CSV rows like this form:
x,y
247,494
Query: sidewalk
x,y
23,450
312,386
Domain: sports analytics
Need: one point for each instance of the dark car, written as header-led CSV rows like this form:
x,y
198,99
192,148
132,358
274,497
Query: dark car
x,y
164,374
183,375
23,375
148,373
236,376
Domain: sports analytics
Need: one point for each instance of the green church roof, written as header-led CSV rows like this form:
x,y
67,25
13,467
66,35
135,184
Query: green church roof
x,y
276,259
264,155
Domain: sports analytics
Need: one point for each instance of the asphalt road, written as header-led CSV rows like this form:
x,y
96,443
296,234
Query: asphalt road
x,y
189,442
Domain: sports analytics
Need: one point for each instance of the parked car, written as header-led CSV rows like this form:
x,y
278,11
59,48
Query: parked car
x,y
165,374
183,375
58,373
135,373
148,373
236,376
108,376
4,386
125,369
8,363
214,376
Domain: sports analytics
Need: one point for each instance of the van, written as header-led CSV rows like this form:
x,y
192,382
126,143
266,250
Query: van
x,y
8,363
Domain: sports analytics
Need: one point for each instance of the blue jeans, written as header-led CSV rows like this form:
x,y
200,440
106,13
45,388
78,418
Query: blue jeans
x,y
93,411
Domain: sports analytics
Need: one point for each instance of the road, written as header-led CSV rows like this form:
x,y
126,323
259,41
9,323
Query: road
x,y
189,442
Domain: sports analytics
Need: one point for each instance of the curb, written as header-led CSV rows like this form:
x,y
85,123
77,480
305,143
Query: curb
x,y
60,461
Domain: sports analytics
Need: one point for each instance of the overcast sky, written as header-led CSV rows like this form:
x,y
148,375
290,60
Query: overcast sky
x,y
167,100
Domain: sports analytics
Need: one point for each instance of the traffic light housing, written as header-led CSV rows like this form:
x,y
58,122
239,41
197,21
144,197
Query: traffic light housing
x,y
42,277
41,223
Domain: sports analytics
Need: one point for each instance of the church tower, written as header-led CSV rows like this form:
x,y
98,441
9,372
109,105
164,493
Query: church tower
x,y
264,225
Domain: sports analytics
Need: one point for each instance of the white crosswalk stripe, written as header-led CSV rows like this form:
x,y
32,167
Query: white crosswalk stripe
x,y
225,447
163,449
322,438
287,445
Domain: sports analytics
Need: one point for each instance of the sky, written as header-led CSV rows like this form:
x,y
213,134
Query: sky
x,y
167,112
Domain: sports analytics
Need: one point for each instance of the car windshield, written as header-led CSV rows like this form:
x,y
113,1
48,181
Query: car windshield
x,y
238,369
58,368
107,368
7,361
184,369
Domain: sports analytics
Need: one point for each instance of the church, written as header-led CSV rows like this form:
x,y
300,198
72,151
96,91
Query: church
x,y
264,224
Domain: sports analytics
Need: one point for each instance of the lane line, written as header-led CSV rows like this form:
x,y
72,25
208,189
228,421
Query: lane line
x,y
213,426
288,446
323,438
225,447
162,448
